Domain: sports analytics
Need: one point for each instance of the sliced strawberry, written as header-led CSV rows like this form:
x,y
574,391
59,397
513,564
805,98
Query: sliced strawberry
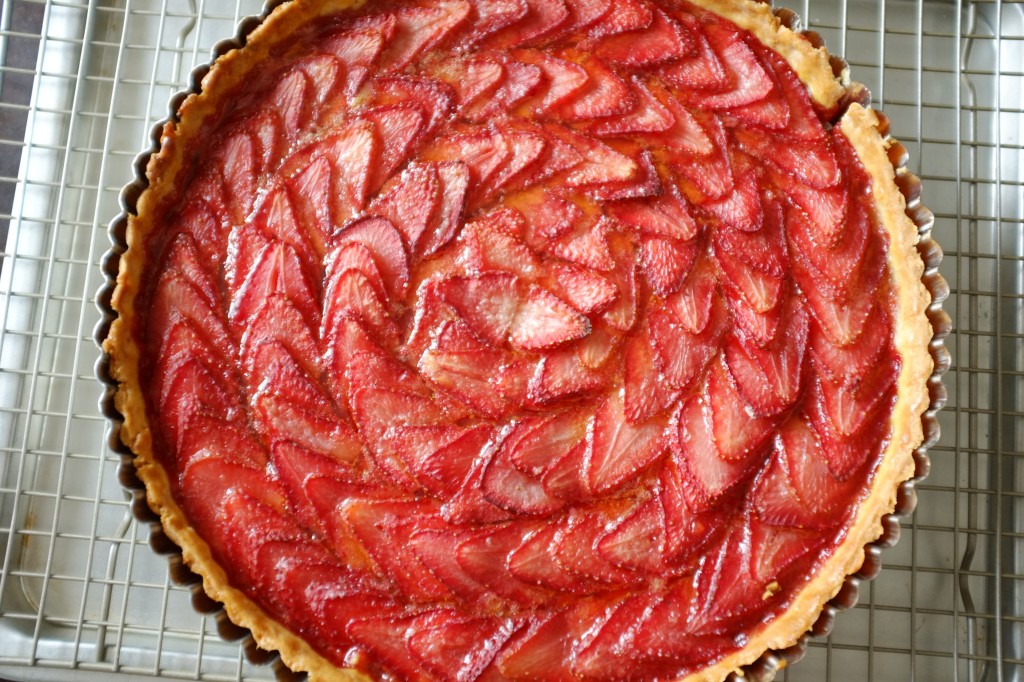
x,y
509,488
708,177
584,289
705,475
377,410
277,217
344,337
646,183
355,256
824,209
460,363
831,266
628,15
756,328
665,262
399,128
483,554
534,562
844,455
520,81
638,541
454,177
186,368
686,531
610,654
322,72
583,14
686,134
680,354
661,41
208,483
491,16
665,216
487,302
623,313
761,292
563,78
769,378
492,243
381,238
469,507
741,209
545,321
197,220
620,450
798,488
484,151
473,78
353,153
352,294
293,101
598,163
440,457
359,49
310,192
548,214
764,250
410,202
380,527
420,29
576,550
439,638
541,19
265,126
843,320
810,162
846,364
238,160
773,549
692,305
248,526
385,636
212,437
536,443
527,149
804,122
646,395
748,80
597,348
604,95
279,321
587,245
383,371
437,548
737,435
566,477
702,70
433,99
849,404
559,375
182,257
277,270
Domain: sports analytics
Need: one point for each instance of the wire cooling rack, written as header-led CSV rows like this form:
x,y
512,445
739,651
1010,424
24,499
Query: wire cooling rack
x,y
83,596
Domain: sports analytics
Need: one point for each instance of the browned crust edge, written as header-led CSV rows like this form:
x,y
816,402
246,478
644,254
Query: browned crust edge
x,y
913,334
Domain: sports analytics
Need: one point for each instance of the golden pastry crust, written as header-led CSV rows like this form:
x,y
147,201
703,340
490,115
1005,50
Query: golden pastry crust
x,y
913,332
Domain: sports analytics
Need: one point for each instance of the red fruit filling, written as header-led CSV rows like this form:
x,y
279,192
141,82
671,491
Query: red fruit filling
x,y
560,355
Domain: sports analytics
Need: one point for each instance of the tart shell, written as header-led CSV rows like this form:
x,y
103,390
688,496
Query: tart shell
x,y
919,330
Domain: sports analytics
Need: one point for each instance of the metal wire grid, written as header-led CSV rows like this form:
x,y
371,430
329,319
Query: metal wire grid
x,y
81,595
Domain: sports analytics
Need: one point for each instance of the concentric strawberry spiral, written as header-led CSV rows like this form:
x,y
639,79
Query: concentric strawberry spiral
x,y
497,336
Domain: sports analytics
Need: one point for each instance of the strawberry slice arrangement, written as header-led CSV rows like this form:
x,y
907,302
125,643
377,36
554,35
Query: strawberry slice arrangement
x,y
518,339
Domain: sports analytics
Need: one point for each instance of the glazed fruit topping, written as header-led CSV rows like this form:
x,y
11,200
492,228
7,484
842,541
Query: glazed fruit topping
x,y
545,334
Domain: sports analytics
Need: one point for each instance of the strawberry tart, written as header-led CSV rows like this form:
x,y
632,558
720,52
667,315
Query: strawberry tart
x,y
523,339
